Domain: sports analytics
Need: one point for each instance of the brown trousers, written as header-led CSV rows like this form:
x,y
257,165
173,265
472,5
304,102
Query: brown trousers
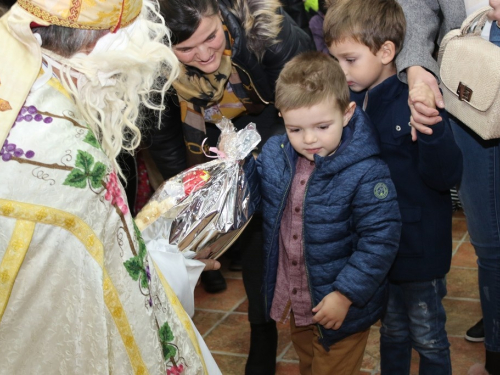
x,y
344,357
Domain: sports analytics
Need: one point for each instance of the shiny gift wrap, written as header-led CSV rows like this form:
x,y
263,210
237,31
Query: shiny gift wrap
x,y
205,208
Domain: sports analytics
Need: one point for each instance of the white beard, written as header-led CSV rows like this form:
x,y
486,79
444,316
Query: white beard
x,y
111,82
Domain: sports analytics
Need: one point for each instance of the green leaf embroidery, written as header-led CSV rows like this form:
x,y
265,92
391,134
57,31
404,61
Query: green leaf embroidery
x,y
144,279
169,351
134,267
97,175
84,161
136,230
92,140
142,248
166,334
76,178
142,245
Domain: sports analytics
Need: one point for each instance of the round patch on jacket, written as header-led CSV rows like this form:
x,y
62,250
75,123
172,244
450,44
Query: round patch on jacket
x,y
381,190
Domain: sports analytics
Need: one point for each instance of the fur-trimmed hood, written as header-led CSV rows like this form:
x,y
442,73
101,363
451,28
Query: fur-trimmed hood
x,y
265,39
261,22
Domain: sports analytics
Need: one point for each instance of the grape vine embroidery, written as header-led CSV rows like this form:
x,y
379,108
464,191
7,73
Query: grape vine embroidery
x,y
11,151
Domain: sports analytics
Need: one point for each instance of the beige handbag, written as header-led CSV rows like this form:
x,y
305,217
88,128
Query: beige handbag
x,y
470,76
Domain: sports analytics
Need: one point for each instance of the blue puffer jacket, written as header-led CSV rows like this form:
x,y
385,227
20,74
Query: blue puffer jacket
x,y
351,222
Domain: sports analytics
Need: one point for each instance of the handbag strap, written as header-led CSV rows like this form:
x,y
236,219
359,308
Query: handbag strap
x,y
475,22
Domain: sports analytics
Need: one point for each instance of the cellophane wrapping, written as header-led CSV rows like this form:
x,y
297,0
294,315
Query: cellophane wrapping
x,y
204,208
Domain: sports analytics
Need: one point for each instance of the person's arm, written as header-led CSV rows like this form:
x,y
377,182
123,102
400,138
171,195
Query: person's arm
x,y
439,157
253,181
378,225
422,28
165,143
332,310
422,115
494,14
415,62
377,222
210,264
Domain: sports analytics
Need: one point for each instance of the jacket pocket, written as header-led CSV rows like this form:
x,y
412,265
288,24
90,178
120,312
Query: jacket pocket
x,y
411,243
399,132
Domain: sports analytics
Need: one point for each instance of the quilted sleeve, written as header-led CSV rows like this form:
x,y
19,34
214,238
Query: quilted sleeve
x,y
377,223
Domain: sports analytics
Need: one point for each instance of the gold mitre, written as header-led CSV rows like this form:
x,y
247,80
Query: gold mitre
x,y
85,14
21,53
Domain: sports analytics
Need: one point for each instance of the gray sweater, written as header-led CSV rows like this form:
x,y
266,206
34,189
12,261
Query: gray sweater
x,y
424,28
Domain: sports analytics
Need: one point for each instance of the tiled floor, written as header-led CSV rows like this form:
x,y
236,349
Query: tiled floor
x,y
222,318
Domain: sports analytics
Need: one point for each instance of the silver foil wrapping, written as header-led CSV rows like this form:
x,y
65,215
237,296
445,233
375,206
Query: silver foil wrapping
x,y
205,208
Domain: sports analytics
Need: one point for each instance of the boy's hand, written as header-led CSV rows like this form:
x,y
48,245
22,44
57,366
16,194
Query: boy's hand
x,y
421,92
423,115
331,311
421,95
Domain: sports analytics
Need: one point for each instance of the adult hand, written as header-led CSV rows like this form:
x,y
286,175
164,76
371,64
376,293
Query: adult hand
x,y
494,14
331,311
210,264
421,94
423,115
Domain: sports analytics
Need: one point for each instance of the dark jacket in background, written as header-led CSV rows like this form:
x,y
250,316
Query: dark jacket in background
x,y
296,10
351,222
423,173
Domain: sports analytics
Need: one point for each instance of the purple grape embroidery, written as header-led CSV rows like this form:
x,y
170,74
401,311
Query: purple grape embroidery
x,y
10,150
28,114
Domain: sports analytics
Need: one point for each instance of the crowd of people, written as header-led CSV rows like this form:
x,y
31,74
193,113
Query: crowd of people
x,y
349,187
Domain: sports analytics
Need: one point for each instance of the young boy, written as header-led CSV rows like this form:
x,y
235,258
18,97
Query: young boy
x,y
331,221
365,40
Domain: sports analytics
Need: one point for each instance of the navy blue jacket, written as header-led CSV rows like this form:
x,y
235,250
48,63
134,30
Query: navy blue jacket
x,y
423,172
351,222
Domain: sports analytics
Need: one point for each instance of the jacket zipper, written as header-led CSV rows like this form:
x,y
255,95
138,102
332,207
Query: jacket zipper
x,y
304,251
251,82
275,225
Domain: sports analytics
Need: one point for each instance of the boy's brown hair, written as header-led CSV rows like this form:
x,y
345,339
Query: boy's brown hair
x,y
308,79
370,22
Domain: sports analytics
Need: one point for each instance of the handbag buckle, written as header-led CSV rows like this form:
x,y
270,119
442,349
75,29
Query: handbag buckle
x,y
464,92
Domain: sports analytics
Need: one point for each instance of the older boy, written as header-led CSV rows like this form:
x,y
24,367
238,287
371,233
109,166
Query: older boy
x,y
365,40
331,221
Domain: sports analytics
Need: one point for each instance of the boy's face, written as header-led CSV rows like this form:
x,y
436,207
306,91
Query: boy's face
x,y
363,69
317,129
